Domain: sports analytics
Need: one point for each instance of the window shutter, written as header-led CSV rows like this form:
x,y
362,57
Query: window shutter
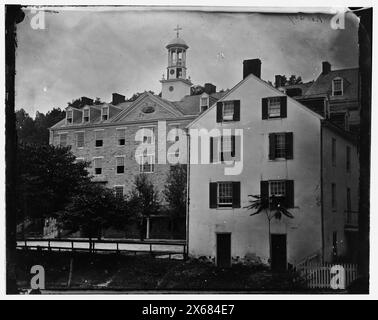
x,y
264,190
272,146
219,111
264,104
211,149
289,193
289,145
236,110
213,194
236,194
283,107
221,149
233,146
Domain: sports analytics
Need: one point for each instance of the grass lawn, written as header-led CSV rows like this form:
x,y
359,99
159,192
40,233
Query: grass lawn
x,y
143,272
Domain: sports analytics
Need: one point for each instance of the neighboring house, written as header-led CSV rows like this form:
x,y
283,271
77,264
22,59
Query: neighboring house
x,y
335,91
286,150
105,134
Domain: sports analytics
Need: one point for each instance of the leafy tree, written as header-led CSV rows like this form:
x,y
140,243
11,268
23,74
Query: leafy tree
x,y
273,207
47,178
137,95
93,209
197,89
143,201
175,190
294,80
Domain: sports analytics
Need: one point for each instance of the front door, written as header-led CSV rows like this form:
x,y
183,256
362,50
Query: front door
x,y
279,259
224,250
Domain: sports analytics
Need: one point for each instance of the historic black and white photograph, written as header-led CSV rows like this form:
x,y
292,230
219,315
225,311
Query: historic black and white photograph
x,y
187,150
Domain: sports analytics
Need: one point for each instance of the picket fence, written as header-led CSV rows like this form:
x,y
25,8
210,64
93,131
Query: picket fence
x,y
318,275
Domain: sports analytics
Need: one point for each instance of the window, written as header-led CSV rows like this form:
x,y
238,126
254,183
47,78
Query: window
x,y
80,139
148,135
121,134
69,116
98,165
227,147
281,145
120,163
118,190
333,196
281,189
348,159
274,107
63,139
334,152
337,87
204,105
175,132
228,111
224,194
99,138
105,113
86,115
147,163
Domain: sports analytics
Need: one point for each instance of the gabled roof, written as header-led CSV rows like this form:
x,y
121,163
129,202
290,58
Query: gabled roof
x,y
323,84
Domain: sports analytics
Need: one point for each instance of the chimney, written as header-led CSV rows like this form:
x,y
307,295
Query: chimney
x,y
252,66
210,88
117,98
278,82
326,67
85,101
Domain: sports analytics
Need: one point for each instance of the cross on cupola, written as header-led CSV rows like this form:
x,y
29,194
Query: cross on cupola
x,y
177,29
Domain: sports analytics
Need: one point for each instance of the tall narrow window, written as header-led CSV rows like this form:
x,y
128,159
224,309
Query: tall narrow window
x,y
120,164
86,115
274,107
99,136
348,158
337,87
69,116
80,139
225,194
334,152
121,134
105,113
228,111
147,163
333,196
98,165
63,139
148,135
204,104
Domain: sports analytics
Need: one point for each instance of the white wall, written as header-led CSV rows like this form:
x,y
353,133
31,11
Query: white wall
x,y
250,234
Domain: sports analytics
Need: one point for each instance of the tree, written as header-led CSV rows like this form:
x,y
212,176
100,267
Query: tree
x,y
137,95
143,201
175,193
294,80
47,178
273,207
93,209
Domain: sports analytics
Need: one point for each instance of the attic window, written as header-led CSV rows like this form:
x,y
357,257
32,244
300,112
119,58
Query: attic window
x,y
204,105
86,115
337,87
69,116
105,113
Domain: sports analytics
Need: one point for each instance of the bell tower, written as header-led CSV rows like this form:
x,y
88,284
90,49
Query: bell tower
x,y
175,86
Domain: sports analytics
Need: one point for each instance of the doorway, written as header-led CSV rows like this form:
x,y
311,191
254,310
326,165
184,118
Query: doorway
x,y
224,250
279,254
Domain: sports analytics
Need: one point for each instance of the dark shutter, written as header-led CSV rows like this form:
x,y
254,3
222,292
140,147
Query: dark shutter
x,y
236,110
233,146
264,190
219,112
264,104
272,146
236,194
211,149
289,145
221,149
213,194
283,107
289,193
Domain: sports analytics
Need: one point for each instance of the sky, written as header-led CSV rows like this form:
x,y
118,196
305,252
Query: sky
x,y
94,53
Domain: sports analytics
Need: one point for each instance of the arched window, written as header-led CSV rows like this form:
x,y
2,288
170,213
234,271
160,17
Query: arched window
x,y
337,87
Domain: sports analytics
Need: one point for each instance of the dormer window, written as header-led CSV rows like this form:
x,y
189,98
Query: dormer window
x,y
337,87
86,115
105,113
69,118
204,105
